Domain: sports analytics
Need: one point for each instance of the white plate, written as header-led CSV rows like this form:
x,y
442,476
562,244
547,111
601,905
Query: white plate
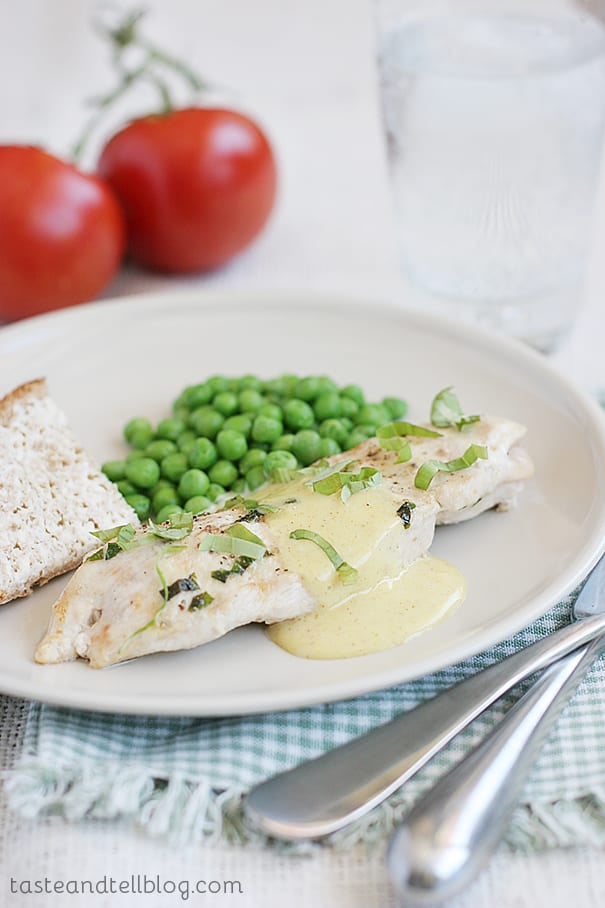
x,y
113,360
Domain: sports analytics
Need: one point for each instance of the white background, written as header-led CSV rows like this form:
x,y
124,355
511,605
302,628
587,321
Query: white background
x,y
307,71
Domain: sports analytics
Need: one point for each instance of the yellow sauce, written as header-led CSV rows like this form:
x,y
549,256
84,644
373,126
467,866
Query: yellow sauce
x,y
386,605
372,621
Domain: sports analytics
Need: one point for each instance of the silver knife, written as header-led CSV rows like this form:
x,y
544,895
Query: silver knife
x,y
322,795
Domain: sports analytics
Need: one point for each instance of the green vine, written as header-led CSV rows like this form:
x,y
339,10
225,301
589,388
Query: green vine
x,y
123,38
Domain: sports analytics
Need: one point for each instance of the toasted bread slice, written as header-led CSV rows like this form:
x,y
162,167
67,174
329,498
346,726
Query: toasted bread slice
x,y
52,494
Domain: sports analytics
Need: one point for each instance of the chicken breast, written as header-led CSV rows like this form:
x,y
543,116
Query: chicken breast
x,y
159,594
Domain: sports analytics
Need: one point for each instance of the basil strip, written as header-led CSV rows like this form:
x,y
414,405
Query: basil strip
x,y
429,470
446,411
347,573
236,540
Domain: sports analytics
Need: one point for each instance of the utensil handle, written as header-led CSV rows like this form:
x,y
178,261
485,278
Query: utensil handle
x,y
324,794
451,832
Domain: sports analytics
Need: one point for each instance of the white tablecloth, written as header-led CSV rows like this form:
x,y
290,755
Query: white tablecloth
x,y
307,71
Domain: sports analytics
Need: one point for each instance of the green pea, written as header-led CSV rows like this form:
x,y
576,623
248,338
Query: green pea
x,y
223,472
274,388
137,425
326,385
161,484
298,414
140,439
160,448
185,440
347,423
395,407
240,423
217,384
174,466
180,404
289,382
356,438
283,443
197,504
333,428
202,454
170,429
225,403
250,383
126,488
327,406
206,422
114,470
231,445
215,490
371,414
163,497
143,472
306,446
307,388
279,460
135,455
271,411
167,512
255,477
266,429
239,486
197,396
355,393
328,447
249,400
348,407
252,458
140,504
368,430
193,482
181,414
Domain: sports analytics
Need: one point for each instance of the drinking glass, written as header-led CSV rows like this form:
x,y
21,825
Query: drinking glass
x,y
494,116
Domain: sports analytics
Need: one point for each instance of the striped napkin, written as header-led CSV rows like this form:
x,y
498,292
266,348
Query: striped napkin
x,y
186,778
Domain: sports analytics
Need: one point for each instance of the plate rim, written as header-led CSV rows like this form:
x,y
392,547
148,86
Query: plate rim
x,y
287,302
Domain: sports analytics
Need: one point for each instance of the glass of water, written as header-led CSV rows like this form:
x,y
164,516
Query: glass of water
x,y
494,118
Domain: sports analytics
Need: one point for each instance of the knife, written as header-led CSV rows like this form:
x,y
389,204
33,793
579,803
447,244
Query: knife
x,y
324,794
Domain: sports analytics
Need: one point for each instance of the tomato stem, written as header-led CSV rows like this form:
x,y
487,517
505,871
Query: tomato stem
x,y
123,37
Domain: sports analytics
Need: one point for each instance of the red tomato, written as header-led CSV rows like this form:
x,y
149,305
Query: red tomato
x,y
197,185
62,233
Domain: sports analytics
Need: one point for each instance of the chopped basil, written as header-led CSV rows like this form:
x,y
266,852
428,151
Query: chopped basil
x,y
179,526
405,512
117,539
346,572
202,600
393,437
240,565
236,540
251,504
428,470
183,585
348,483
446,411
112,549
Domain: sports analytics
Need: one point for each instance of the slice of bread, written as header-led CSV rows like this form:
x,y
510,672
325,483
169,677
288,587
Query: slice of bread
x,y
52,494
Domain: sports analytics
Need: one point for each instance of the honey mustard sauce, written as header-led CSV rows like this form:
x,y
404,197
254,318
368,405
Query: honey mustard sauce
x,y
384,604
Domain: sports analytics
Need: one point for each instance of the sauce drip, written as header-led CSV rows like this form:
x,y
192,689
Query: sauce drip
x,y
387,603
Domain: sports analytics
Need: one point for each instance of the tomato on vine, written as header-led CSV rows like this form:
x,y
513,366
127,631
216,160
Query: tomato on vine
x,y
62,233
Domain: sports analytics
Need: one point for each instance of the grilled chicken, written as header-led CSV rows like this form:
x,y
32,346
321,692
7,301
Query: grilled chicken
x,y
138,602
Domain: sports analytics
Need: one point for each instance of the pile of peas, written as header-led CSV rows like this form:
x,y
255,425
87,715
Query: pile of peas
x,y
231,434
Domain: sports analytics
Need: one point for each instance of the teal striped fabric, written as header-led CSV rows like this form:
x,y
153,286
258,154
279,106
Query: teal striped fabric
x,y
185,777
